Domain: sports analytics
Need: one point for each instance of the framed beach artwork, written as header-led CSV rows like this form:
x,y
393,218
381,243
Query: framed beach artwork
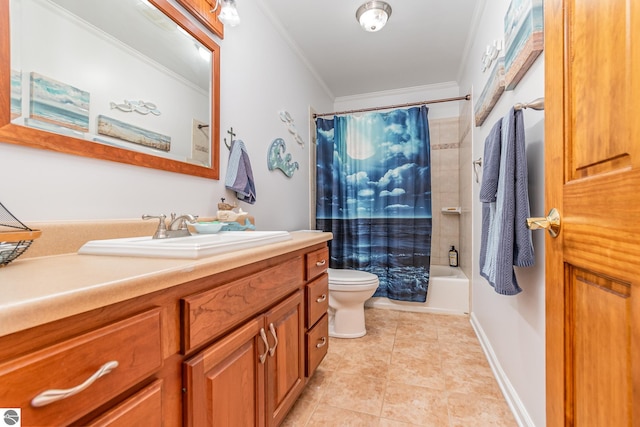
x,y
16,94
130,133
524,38
58,103
200,143
491,92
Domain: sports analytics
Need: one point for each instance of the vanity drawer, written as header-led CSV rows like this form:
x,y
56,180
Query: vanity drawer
x,y
142,409
211,313
317,341
317,294
317,262
131,347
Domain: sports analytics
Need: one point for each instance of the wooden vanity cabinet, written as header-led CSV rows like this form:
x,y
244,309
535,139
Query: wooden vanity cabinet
x,y
253,376
317,304
229,349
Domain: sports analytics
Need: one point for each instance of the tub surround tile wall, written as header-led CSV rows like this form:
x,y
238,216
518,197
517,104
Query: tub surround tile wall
x,y
445,145
467,180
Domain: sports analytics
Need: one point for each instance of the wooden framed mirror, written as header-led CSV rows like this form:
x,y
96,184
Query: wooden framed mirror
x,y
142,120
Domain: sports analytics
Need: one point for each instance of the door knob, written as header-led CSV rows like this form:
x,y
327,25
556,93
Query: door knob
x,y
550,223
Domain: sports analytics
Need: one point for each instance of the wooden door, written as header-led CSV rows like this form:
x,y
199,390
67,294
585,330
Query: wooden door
x,y
225,382
285,364
592,174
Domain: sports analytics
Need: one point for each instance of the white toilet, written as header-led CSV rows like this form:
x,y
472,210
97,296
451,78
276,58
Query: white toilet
x,y
348,290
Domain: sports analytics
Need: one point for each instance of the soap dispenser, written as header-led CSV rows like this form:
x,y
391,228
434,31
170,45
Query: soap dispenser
x,y
453,257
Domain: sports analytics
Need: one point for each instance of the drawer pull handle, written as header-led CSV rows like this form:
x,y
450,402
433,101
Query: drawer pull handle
x,y
323,298
321,263
50,396
263,335
272,329
323,343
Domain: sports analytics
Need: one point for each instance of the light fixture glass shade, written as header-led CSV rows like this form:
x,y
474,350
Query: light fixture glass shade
x,y
229,14
373,15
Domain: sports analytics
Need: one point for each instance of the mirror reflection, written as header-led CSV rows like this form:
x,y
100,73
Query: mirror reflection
x,y
117,73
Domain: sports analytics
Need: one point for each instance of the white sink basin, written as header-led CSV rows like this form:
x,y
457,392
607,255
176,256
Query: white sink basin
x,y
196,246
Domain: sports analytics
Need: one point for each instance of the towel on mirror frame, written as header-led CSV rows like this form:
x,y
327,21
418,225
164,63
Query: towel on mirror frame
x,y
505,239
239,174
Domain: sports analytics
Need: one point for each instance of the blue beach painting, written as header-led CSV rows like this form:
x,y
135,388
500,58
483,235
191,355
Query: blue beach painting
x,y
59,103
524,38
50,127
16,94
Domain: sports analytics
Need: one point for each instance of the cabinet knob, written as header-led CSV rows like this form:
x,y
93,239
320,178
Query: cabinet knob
x,y
322,298
321,263
322,343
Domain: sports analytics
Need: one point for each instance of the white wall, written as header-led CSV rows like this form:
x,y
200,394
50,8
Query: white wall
x,y
260,75
511,327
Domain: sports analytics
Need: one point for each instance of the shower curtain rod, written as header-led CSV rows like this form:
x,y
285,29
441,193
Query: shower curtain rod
x,y
410,104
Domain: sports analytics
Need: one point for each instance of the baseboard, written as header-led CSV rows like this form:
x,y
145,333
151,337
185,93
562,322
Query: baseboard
x,y
511,396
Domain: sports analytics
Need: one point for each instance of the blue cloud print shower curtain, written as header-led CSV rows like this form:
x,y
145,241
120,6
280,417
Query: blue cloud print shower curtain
x,y
374,195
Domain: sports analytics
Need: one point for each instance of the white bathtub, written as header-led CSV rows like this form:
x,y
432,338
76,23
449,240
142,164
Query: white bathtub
x,y
448,293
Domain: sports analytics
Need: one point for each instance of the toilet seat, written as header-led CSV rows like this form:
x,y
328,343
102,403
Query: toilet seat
x,y
351,280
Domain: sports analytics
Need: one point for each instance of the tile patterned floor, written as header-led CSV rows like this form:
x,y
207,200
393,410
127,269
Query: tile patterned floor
x,y
411,369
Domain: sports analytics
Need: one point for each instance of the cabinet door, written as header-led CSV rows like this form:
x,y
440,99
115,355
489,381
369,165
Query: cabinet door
x,y
285,364
225,382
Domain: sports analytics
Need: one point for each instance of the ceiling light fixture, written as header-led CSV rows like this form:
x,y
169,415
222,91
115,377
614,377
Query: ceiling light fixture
x,y
373,15
228,12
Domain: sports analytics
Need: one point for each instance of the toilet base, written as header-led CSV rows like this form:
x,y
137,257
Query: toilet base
x,y
350,322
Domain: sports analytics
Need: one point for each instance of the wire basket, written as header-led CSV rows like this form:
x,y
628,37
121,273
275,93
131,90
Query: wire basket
x,y
15,237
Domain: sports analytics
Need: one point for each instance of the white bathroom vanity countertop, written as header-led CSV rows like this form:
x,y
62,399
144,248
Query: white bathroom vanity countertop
x,y
35,291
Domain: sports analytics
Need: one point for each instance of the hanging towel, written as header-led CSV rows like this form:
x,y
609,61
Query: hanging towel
x,y
506,240
239,175
489,187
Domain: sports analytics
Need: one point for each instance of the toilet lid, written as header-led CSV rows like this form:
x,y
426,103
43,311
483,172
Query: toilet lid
x,y
339,276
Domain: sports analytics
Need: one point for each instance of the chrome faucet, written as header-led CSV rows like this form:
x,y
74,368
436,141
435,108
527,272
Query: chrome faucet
x,y
180,223
177,226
